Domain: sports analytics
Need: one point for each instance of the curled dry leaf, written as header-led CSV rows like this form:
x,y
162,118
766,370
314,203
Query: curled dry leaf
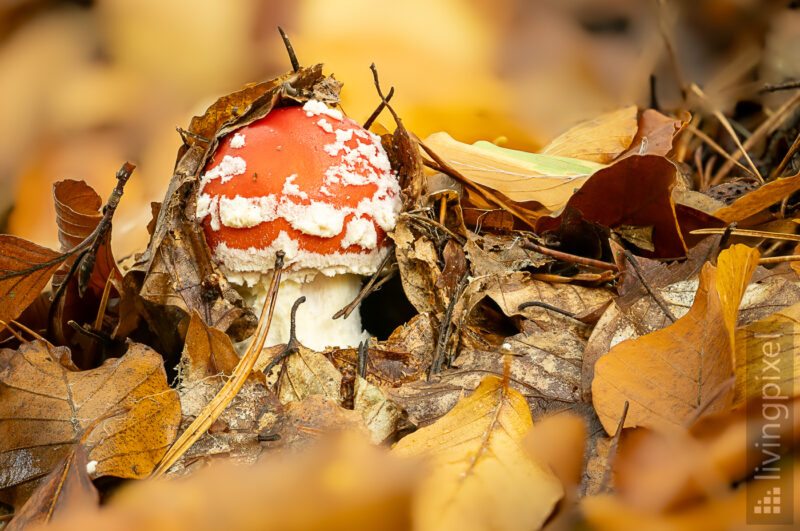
x,y
481,478
78,213
656,133
67,488
634,191
124,412
207,352
685,369
496,254
379,413
417,260
18,292
599,140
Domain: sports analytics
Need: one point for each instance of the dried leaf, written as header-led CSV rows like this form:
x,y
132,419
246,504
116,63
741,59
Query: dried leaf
x,y
494,254
306,373
417,260
17,292
481,477
759,199
599,140
78,213
207,352
124,411
67,488
637,191
379,413
656,133
683,370
549,181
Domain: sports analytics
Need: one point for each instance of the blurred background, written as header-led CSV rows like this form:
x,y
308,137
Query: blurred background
x,y
86,85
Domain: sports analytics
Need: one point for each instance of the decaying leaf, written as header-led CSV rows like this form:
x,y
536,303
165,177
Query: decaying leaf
x,y
495,254
599,140
685,369
419,270
207,352
481,477
379,413
307,373
656,133
124,411
17,292
67,488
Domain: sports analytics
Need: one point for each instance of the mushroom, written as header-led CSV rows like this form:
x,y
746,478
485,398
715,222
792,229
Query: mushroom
x,y
315,184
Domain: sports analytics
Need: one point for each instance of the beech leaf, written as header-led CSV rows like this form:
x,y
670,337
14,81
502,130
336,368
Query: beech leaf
x,y
481,476
599,140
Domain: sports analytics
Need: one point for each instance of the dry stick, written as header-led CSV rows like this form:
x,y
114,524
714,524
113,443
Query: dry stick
x,y
13,332
31,332
612,449
289,50
225,395
457,237
640,274
779,259
760,132
727,125
787,85
292,346
716,147
446,328
789,154
751,234
379,110
566,257
539,304
368,288
363,358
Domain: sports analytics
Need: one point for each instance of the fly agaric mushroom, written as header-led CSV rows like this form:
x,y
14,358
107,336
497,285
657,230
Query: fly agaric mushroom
x,y
316,185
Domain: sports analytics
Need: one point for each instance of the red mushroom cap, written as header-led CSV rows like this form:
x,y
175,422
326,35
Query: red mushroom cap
x,y
307,181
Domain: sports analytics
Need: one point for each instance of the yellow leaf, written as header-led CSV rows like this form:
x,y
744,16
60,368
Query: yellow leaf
x,y
766,348
482,478
681,371
759,199
599,140
517,179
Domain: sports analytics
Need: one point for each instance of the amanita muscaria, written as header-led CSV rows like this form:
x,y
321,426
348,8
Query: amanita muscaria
x,y
315,184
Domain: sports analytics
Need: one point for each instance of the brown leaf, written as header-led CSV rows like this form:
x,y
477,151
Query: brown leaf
x,y
759,199
637,191
685,369
207,352
599,140
306,373
380,414
495,254
455,266
417,259
67,488
78,213
124,411
17,292
656,133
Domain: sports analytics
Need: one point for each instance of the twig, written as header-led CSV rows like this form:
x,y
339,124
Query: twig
x,y
460,239
716,147
87,262
787,85
289,50
101,311
779,259
539,304
31,332
368,288
751,234
446,327
640,274
789,154
223,398
612,449
184,133
566,257
292,346
13,332
379,109
758,134
727,125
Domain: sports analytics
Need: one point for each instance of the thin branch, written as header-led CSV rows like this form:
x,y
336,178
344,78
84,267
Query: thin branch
x,y
566,257
289,50
539,304
787,85
368,288
716,147
751,234
379,110
794,148
363,358
640,274
292,346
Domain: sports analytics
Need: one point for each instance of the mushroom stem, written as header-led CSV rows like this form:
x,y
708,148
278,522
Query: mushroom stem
x,y
316,328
